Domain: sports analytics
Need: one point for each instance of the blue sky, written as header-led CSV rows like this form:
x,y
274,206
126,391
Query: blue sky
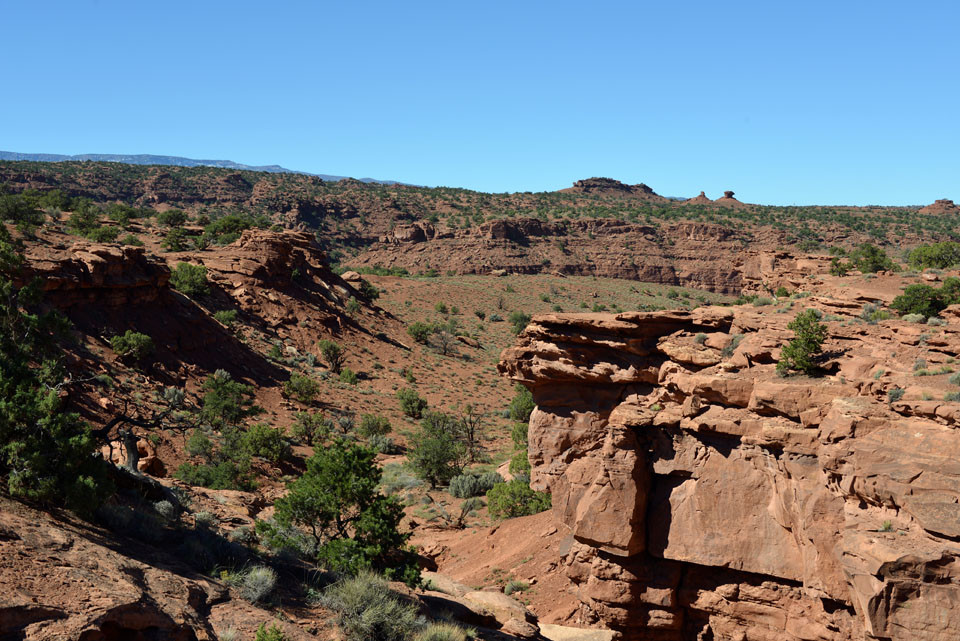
x,y
785,103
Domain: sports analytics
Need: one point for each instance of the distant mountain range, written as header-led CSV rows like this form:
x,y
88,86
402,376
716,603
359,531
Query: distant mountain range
x,y
178,161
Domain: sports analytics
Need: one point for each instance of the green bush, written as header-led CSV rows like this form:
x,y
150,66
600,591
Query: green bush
x,y
258,583
444,632
172,218
520,462
302,388
132,345
937,256
349,377
131,240
274,633
191,280
199,444
872,313
353,526
895,394
522,405
367,610
436,454
519,320
515,586
224,475
410,402
515,498
465,486
800,353
227,317
781,292
420,331
225,401
266,442
373,425
870,259
333,355
103,234
175,241
919,299
310,428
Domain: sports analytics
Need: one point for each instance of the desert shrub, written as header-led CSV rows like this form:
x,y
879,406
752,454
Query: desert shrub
x,y
310,428
436,453
368,290
837,268
333,355
495,318
762,301
175,240
515,586
103,234
132,345
131,240
222,475
913,318
952,397
937,255
353,306
397,477
258,583
410,402
444,632
519,320
302,388
955,379
199,444
166,510
919,299
800,353
420,331
731,346
700,338
367,610
870,259
172,218
872,313
781,292
382,444
518,434
227,317
353,526
348,376
273,633
895,394
465,486
520,462
479,313
515,498
191,280
225,401
265,442
374,425
522,405
936,322
228,634
441,308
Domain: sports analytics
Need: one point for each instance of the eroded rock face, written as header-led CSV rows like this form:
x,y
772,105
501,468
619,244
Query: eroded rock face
x,y
710,499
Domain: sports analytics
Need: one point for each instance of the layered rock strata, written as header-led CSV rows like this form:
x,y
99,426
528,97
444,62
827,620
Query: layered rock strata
x,y
710,499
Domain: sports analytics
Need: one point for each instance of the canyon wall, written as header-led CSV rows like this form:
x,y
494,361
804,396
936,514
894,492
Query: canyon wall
x,y
710,499
702,255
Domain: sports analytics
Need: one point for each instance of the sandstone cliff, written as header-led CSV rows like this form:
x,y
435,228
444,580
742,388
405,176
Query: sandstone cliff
x,y
710,499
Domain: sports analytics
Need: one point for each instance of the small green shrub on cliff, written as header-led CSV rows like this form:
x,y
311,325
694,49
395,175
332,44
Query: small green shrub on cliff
x,y
800,353
191,280
132,345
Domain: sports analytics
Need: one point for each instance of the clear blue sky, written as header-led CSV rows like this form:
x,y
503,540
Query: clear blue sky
x,y
784,102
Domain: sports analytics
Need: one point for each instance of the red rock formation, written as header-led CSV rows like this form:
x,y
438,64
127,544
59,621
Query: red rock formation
x,y
699,200
711,499
609,186
942,207
728,200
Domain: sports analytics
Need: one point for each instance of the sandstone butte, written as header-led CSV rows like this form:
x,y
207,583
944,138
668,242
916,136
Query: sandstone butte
x,y
709,499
